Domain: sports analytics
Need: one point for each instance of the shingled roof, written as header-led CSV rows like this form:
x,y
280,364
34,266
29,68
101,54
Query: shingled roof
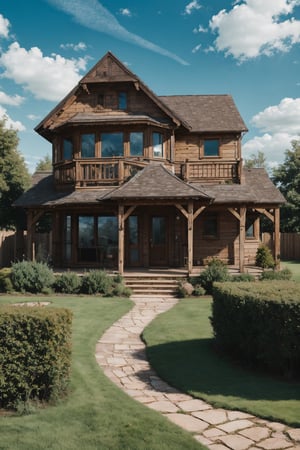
x,y
155,181
207,113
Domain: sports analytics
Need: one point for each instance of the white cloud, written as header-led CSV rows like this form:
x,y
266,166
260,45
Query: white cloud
x,y
125,12
196,49
93,15
76,47
4,26
9,123
46,77
200,29
282,117
15,100
255,27
33,117
192,6
280,125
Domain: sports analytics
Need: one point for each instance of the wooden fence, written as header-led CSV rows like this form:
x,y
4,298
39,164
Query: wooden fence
x,y
289,245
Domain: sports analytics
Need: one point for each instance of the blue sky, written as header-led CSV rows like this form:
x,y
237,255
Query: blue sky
x,y
247,48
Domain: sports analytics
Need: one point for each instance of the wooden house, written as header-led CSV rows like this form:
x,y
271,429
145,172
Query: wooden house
x,y
143,181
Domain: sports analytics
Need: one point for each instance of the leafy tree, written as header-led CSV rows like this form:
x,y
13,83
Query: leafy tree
x,y
44,164
287,178
256,161
14,175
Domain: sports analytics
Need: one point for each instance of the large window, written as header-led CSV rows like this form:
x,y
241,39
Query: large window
x,y
112,145
157,140
136,140
87,145
211,147
67,148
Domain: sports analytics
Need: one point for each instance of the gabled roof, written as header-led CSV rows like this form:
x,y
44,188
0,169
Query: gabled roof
x,y
207,113
155,181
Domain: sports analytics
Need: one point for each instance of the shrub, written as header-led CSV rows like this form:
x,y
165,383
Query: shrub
x,y
97,282
35,356
284,274
216,270
31,276
259,324
5,281
120,290
264,258
184,289
67,283
242,277
198,291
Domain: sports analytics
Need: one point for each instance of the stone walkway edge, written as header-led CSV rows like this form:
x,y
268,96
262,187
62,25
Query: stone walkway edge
x,y
121,354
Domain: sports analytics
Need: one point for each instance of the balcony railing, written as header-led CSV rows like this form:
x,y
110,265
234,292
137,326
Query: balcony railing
x,y
212,171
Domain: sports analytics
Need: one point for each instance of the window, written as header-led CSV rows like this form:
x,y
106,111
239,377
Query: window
x,y
122,100
87,145
250,227
211,147
67,148
210,226
112,145
136,140
68,237
157,141
108,239
100,99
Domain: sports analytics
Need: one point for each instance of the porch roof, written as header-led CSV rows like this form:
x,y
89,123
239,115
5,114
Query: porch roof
x,y
155,181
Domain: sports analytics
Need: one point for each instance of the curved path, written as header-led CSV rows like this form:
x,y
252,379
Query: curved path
x,y
121,354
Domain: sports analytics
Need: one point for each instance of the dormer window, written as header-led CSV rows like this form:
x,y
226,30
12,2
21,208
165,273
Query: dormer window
x,y
122,101
157,141
211,147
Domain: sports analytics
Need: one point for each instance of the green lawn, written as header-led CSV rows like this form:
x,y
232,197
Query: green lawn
x,y
294,267
179,347
97,415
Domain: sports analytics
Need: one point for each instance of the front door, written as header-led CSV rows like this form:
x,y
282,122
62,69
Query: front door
x,y
158,252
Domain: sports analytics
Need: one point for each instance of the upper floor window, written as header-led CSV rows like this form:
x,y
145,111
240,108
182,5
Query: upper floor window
x,y
157,141
67,148
122,100
112,145
211,147
87,145
136,140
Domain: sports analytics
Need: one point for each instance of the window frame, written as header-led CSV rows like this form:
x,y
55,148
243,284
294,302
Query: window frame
x,y
217,154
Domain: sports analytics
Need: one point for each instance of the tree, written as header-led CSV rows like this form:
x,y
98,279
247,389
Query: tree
x,y
14,176
44,165
287,178
255,161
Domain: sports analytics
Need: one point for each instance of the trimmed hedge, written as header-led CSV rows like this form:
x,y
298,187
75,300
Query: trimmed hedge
x,y
35,358
259,324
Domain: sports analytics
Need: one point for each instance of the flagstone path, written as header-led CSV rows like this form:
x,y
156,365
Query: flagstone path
x,y
121,354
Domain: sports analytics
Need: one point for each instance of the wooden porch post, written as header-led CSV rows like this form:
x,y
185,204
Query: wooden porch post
x,y
190,236
121,239
242,238
30,244
277,237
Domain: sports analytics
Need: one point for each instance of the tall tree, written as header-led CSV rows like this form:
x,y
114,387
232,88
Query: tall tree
x,y
287,178
14,175
44,164
255,161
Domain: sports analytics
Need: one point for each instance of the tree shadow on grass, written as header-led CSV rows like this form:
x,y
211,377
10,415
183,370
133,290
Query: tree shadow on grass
x,y
195,367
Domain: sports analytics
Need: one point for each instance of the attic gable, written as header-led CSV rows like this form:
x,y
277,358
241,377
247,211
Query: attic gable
x,y
109,69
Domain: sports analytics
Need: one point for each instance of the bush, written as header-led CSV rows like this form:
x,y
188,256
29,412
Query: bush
x,y
242,277
259,324
32,276
97,282
67,283
35,356
5,281
264,258
184,289
198,291
284,274
216,270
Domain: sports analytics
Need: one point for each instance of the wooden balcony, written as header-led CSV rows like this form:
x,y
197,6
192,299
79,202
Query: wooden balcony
x,y
211,171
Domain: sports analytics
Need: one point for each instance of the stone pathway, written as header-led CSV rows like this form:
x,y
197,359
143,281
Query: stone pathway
x,y
121,354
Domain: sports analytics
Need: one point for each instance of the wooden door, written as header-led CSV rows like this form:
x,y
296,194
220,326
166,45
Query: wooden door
x,y
158,241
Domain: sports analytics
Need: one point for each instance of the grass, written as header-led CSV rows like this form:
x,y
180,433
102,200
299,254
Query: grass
x,y
294,267
97,414
180,348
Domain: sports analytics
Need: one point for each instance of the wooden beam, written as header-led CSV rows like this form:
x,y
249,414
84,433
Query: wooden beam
x,y
234,213
242,238
277,237
198,212
266,213
182,210
129,211
190,236
121,239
